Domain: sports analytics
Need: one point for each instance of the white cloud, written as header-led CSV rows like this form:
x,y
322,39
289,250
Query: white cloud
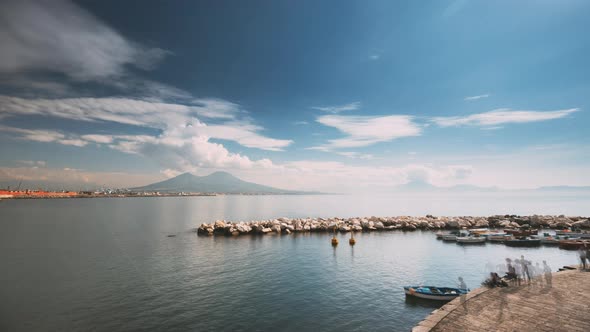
x,y
374,56
501,116
341,108
300,123
367,130
60,36
146,113
470,98
355,155
175,151
102,139
45,136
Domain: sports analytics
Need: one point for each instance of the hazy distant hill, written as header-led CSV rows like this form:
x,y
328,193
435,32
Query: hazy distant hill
x,y
218,182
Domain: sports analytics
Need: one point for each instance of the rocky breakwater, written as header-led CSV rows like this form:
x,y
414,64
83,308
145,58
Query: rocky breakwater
x,y
406,223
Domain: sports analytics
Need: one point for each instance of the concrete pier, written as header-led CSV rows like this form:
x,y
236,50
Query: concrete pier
x,y
564,306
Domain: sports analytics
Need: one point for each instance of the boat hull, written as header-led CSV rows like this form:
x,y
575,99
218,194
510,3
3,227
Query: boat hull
x,y
471,240
573,244
522,243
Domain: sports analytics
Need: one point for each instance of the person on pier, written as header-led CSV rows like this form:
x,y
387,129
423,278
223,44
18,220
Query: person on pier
x,y
582,252
511,272
548,275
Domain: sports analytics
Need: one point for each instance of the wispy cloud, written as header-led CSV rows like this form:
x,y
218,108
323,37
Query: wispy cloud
x,y
59,36
470,98
374,57
144,113
340,108
356,155
502,116
367,130
46,136
32,163
300,123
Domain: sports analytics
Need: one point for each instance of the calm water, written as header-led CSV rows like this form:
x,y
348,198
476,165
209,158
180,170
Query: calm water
x,y
108,265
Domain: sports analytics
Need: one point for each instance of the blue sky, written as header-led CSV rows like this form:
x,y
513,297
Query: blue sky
x,y
315,95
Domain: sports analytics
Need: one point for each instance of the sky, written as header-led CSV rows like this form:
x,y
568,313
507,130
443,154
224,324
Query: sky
x,y
309,95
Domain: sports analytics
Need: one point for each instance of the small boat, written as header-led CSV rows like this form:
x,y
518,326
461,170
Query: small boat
x,y
523,242
452,236
499,237
570,233
449,237
551,240
521,232
439,235
434,293
573,244
471,239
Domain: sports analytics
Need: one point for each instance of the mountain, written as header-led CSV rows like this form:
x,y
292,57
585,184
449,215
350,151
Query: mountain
x,y
218,182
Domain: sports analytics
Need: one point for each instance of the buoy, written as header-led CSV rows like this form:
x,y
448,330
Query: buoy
x,y
334,241
352,241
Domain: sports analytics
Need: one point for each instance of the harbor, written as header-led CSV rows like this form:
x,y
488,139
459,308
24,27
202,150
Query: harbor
x,y
510,230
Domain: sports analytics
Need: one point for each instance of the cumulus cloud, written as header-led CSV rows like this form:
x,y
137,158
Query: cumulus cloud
x,y
340,108
59,36
367,130
501,116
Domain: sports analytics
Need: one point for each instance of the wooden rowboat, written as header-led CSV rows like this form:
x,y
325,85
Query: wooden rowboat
x,y
434,293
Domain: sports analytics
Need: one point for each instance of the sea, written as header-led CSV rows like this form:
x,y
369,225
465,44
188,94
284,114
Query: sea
x,y
136,264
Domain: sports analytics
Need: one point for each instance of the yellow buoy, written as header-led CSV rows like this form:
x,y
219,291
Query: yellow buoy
x,y
334,239
352,241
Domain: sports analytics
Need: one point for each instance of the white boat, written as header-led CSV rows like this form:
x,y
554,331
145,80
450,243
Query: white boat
x,y
434,293
471,239
449,237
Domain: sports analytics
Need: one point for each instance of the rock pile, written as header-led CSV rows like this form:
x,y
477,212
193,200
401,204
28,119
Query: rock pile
x,y
288,225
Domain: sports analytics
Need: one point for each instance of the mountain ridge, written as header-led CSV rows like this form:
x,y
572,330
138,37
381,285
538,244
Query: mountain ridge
x,y
216,182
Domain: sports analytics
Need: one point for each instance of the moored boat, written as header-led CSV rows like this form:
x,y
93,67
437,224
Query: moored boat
x,y
523,242
573,244
573,234
521,232
449,237
471,239
434,293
